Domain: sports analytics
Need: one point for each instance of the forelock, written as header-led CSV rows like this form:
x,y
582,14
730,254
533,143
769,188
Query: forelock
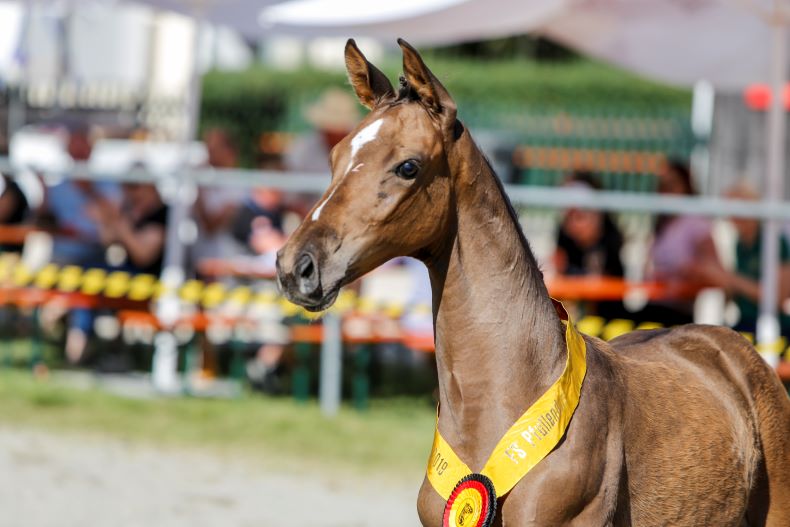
x,y
405,92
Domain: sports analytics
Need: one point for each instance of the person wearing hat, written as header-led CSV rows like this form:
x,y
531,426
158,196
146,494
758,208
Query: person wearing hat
x,y
332,116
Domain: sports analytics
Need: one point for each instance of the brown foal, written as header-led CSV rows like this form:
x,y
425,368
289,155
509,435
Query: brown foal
x,y
686,426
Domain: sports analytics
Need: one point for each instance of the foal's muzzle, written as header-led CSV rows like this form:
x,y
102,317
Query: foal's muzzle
x,y
301,284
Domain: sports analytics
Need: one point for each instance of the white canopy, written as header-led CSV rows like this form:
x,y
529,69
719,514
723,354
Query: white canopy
x,y
681,42
241,15
723,41
418,21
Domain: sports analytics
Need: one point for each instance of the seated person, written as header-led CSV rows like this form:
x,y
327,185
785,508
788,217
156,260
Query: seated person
x,y
263,210
743,284
14,208
589,244
65,208
265,239
216,207
260,226
133,236
136,227
66,204
680,244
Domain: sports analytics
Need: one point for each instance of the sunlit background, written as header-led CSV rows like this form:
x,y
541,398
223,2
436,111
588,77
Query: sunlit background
x,y
156,154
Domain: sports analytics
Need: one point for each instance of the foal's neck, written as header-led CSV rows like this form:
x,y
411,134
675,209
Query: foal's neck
x,y
499,342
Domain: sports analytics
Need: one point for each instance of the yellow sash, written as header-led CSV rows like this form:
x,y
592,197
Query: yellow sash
x,y
531,437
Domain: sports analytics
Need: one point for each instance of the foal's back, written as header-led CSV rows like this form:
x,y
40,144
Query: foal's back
x,y
705,413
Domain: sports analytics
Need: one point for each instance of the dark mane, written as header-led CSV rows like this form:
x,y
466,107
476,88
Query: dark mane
x,y
405,91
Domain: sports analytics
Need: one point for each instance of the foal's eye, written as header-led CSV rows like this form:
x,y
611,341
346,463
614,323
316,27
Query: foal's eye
x,y
408,169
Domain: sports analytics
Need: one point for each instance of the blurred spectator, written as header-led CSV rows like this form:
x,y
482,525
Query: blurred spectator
x,y
266,240
66,204
217,207
132,235
13,203
235,221
743,284
260,217
14,208
589,244
133,232
271,149
332,116
680,244
259,224
77,242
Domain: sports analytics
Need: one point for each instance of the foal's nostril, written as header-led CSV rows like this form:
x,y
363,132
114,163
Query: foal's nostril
x,y
306,274
305,267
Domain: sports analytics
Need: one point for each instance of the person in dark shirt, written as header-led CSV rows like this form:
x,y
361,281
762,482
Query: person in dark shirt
x,y
14,208
134,232
743,283
13,203
588,242
263,204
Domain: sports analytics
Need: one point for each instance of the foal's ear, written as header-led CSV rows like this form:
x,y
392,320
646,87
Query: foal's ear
x,y
427,86
368,81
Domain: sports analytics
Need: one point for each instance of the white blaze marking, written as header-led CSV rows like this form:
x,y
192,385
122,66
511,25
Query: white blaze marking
x,y
364,136
317,212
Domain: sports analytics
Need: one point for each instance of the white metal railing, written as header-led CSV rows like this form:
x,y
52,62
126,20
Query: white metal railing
x,y
544,197
539,197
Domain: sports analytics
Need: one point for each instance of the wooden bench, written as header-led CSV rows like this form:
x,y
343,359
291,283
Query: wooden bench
x,y
602,288
198,322
360,333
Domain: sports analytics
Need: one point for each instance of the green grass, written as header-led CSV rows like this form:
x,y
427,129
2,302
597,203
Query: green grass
x,y
393,437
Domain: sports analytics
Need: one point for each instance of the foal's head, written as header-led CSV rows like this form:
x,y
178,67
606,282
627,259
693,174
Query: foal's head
x,y
390,192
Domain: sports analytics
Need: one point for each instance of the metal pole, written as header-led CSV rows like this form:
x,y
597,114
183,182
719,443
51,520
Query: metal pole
x,y
331,365
17,94
186,191
544,198
767,322
183,192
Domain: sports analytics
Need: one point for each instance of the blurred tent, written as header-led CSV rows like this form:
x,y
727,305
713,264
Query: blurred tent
x,y
240,15
722,41
107,41
422,22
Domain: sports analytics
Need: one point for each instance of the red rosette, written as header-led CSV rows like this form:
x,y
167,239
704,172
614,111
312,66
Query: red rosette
x,y
472,503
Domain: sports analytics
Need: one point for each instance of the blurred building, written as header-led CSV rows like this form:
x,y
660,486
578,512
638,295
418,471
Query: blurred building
x,y
120,63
